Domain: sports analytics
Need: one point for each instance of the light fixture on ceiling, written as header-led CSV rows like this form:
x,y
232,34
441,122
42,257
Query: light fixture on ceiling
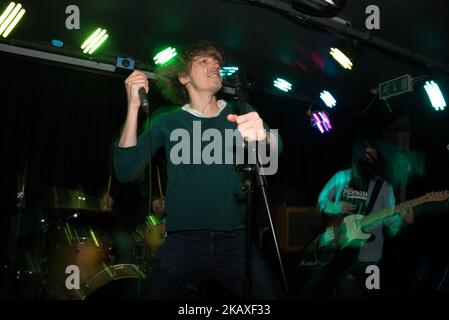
x,y
165,56
282,84
320,120
328,99
95,40
341,57
10,17
435,95
348,53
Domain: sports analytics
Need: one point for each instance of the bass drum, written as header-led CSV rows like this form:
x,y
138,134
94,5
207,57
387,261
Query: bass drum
x,y
127,281
74,254
116,282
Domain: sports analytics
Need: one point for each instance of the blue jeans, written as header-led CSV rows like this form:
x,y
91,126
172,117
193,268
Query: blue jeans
x,y
187,258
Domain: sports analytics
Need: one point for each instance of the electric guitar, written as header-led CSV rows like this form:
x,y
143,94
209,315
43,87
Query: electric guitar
x,y
344,232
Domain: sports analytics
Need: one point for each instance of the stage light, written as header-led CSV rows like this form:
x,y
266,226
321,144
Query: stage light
x,y
341,58
283,85
328,99
228,71
10,17
316,121
95,40
319,8
325,120
435,95
347,52
165,55
320,120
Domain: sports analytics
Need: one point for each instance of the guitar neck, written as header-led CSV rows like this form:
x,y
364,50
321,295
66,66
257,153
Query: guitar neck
x,y
378,216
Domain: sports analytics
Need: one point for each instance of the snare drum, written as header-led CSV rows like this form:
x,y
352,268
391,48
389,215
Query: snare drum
x,y
149,236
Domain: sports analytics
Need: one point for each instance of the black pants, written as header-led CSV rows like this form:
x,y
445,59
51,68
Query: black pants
x,y
189,258
124,245
325,278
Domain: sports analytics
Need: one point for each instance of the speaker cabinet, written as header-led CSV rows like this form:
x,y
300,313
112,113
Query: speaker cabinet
x,y
296,227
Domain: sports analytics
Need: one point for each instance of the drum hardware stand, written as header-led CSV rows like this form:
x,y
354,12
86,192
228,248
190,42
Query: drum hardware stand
x,y
12,247
31,263
252,171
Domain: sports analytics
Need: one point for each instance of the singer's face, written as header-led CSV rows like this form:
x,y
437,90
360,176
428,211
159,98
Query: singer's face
x,y
205,74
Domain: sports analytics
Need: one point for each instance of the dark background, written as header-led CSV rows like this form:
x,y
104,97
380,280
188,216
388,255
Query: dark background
x,y
57,122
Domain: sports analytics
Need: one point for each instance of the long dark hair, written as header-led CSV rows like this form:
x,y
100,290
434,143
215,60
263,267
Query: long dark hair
x,y
395,165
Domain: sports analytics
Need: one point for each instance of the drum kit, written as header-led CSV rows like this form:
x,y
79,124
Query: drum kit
x,y
77,260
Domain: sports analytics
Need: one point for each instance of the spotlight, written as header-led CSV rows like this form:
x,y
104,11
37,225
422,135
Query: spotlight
x,y
283,85
347,53
165,56
10,17
320,120
435,95
341,58
95,40
328,99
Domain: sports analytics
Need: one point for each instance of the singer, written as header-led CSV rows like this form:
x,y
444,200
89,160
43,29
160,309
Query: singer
x,y
205,205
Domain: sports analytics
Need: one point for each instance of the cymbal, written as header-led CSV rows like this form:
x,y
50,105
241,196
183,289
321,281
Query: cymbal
x,y
57,198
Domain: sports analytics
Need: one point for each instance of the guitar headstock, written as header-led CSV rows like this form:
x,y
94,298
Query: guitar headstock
x,y
437,196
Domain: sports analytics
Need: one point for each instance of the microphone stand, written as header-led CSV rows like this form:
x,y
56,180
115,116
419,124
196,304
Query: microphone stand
x,y
248,171
145,108
252,171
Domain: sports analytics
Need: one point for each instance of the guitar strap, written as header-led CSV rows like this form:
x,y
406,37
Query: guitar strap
x,y
374,195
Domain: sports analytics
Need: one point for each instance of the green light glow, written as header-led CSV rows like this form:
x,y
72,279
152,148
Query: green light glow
x,y
95,40
92,233
164,56
153,220
10,17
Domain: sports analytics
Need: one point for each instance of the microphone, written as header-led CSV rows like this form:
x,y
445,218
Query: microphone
x,y
144,100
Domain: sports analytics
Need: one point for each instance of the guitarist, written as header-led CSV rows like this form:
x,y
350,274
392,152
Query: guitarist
x,y
358,190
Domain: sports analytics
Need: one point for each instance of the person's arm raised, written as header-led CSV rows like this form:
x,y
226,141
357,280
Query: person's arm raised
x,y
133,83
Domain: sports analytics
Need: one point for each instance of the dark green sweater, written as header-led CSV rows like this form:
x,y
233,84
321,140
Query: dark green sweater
x,y
199,196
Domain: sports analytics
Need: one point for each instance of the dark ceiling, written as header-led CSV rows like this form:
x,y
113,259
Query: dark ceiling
x,y
262,42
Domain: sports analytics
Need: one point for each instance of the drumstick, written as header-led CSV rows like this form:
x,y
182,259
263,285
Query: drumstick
x,y
109,191
159,182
